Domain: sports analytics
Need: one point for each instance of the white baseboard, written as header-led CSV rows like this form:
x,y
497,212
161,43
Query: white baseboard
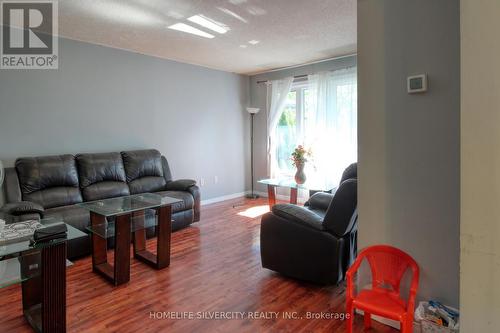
x,y
282,197
223,198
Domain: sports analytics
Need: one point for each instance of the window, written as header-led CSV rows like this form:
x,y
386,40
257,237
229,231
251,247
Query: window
x,y
321,114
291,127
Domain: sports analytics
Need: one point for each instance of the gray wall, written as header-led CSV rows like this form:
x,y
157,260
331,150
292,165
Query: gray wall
x,y
409,145
103,99
258,94
480,131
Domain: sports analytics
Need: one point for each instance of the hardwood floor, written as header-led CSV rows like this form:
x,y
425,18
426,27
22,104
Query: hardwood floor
x,y
215,267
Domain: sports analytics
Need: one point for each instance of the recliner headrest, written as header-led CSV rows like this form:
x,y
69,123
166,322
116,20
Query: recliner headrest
x,y
350,172
339,216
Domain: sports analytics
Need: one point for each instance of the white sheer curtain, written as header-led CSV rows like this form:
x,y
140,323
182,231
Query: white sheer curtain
x,y
331,124
276,91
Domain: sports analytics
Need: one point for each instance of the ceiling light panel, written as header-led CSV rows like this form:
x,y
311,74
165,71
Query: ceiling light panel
x,y
233,14
209,23
190,30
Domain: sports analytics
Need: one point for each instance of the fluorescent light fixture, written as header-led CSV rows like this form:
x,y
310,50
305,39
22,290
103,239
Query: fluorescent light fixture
x,y
237,2
190,30
257,11
233,14
209,23
253,42
122,12
243,46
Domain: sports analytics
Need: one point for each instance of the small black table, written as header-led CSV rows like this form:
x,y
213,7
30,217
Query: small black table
x,y
41,270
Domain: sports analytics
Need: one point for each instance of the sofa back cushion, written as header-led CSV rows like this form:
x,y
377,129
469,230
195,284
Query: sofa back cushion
x,y
144,171
102,176
350,172
50,181
341,213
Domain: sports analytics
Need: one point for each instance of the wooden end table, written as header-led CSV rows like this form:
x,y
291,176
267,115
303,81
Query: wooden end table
x,y
288,182
41,270
127,218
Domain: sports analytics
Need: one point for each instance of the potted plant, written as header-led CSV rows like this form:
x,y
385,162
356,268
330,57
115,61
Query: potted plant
x,y
299,159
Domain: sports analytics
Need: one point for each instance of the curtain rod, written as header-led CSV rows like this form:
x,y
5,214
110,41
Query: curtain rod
x,y
295,77
306,75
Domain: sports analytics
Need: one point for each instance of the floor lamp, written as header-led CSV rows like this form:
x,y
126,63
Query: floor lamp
x,y
253,112
1,175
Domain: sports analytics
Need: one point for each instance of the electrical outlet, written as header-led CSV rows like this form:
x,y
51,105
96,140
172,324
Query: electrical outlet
x,y
216,179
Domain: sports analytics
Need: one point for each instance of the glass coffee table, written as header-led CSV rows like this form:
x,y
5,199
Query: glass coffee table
x,y
289,182
125,216
41,270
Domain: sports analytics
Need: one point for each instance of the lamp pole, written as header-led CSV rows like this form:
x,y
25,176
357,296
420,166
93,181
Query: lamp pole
x,y
2,174
253,112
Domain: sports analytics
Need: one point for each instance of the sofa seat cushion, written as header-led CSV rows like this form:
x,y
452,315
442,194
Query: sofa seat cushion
x,y
104,190
146,184
321,213
186,197
73,215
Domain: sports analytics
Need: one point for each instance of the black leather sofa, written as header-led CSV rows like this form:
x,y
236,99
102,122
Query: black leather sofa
x,y
52,186
315,243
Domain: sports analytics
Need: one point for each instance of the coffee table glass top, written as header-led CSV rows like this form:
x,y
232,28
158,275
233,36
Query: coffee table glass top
x,y
128,204
107,229
289,182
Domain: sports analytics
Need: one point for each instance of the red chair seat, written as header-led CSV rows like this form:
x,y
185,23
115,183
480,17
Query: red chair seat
x,y
381,302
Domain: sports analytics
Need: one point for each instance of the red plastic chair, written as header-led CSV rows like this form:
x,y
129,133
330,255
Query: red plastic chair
x,y
388,265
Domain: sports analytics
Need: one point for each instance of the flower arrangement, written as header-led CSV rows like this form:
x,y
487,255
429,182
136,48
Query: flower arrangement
x,y
300,155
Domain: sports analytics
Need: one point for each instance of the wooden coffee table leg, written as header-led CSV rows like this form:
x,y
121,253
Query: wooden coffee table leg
x,y
99,249
122,249
164,231
164,236
139,235
271,195
293,196
44,296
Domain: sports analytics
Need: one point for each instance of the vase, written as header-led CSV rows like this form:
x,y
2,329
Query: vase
x,y
300,176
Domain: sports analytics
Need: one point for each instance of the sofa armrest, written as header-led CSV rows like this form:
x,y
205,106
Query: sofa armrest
x,y
180,185
195,192
320,200
299,215
11,186
23,208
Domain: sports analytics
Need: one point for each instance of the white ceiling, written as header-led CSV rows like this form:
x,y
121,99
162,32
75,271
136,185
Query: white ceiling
x,y
290,32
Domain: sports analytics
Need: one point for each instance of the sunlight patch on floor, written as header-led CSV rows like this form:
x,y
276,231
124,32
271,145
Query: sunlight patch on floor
x,y
255,211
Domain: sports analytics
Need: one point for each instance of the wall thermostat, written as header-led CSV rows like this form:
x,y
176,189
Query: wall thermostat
x,y
417,84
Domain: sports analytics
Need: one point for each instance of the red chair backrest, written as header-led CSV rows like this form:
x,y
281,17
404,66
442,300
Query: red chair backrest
x,y
388,265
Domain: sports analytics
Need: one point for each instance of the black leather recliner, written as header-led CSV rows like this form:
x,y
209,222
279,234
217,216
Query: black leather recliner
x,y
315,243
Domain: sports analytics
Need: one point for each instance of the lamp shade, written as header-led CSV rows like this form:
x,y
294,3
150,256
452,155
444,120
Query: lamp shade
x,y
253,110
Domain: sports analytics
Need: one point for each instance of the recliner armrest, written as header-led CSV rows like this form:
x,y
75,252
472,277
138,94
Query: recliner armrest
x,y
299,214
23,208
320,200
180,185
